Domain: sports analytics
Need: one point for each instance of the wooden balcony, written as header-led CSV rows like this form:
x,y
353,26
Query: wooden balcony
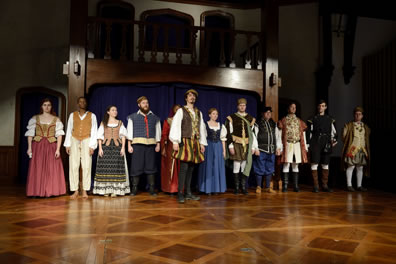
x,y
121,51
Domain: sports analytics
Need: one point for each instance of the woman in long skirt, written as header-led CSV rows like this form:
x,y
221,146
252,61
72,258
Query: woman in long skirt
x,y
169,165
211,175
111,177
45,176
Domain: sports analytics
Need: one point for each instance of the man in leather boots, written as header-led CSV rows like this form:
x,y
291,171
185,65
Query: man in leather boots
x,y
321,137
144,136
241,144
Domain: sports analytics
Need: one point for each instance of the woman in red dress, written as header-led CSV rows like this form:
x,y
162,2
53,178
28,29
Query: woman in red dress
x,y
45,176
169,165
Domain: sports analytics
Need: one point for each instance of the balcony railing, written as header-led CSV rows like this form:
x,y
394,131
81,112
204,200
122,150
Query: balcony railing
x,y
170,43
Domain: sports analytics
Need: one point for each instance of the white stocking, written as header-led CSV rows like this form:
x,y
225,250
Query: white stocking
x,y
359,175
349,172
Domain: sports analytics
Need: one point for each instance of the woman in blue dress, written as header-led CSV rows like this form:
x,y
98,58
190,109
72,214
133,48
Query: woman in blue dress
x,y
211,175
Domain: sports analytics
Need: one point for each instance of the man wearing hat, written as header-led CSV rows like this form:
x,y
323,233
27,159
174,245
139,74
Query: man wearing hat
x,y
268,136
293,147
241,144
321,137
356,150
144,136
189,141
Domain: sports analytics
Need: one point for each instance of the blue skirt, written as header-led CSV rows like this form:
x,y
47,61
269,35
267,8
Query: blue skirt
x,y
211,174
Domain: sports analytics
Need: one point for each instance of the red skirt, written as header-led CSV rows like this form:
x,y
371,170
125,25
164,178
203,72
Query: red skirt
x,y
45,176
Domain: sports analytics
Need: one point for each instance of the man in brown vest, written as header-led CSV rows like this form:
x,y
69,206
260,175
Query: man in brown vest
x,y
188,143
242,143
80,143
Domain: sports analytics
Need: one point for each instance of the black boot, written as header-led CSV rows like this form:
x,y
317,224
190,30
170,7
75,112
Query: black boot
x,y
180,197
285,181
236,183
243,184
135,183
295,181
189,195
151,182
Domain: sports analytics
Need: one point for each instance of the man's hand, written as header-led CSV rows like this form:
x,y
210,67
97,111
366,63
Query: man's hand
x,y
202,148
278,152
257,152
158,147
232,151
130,149
68,150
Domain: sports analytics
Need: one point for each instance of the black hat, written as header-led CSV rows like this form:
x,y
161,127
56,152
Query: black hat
x,y
266,109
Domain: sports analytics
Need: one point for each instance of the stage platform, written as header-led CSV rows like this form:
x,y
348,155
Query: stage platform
x,y
303,227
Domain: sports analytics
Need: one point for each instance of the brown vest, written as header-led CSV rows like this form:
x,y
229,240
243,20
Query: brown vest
x,y
45,130
82,128
187,124
112,133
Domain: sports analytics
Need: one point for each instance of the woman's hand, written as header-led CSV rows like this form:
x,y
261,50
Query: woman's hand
x,y
100,152
122,152
57,154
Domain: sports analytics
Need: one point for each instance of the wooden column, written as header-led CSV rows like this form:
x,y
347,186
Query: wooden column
x,y
270,51
78,36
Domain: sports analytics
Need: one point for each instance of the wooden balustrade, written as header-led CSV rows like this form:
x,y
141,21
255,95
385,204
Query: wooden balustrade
x,y
155,40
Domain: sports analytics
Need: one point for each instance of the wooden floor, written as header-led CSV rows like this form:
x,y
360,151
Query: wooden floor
x,y
269,228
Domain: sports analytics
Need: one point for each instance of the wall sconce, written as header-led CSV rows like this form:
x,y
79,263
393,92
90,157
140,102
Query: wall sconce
x,y
66,68
77,68
272,79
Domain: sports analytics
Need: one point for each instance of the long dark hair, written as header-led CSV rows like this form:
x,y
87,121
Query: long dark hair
x,y
52,106
106,116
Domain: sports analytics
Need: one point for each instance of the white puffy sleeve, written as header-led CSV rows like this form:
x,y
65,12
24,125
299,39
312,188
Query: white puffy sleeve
x,y
223,133
100,132
123,131
31,127
69,130
278,137
202,127
93,142
175,131
59,128
158,131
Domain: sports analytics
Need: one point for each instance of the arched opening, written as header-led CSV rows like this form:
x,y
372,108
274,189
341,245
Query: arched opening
x,y
167,38
28,104
216,46
121,36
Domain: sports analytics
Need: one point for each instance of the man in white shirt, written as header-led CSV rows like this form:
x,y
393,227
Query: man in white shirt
x,y
80,143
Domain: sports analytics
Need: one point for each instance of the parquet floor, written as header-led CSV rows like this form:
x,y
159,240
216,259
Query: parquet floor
x,y
269,228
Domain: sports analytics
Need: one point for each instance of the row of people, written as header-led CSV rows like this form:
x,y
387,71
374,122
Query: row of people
x,y
184,138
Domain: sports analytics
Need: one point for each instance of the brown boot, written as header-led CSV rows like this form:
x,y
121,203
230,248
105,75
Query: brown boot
x,y
258,189
269,190
325,179
315,181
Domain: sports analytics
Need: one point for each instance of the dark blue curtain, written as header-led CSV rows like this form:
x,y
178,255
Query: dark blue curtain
x,y
30,105
161,98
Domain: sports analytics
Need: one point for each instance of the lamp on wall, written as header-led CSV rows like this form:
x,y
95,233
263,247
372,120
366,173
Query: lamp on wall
x,y
272,79
77,68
